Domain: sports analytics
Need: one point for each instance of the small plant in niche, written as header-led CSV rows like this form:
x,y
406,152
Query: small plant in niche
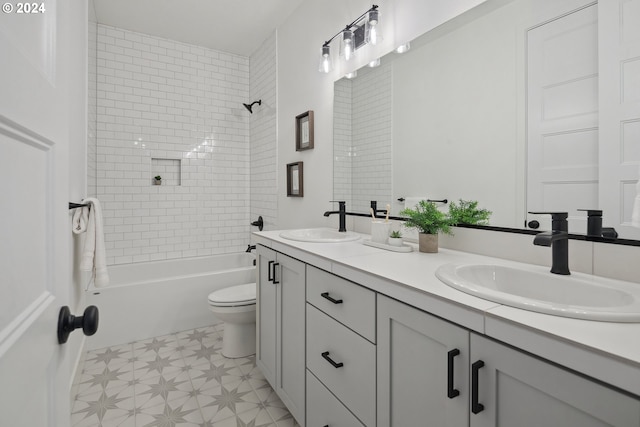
x,y
467,212
395,235
157,180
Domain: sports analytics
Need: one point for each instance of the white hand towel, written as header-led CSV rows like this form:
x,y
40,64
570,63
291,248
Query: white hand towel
x,y
635,215
80,220
94,253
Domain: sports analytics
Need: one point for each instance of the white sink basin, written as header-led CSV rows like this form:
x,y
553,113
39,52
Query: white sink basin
x,y
535,289
319,235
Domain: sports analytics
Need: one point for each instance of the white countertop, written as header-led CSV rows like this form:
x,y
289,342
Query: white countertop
x,y
607,351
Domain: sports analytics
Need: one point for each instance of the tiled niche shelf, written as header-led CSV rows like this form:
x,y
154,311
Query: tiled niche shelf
x,y
169,169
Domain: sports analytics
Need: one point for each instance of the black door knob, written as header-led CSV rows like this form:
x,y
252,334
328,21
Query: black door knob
x,y
67,322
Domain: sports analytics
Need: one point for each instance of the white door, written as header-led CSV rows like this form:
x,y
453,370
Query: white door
x,y
620,112
35,227
562,117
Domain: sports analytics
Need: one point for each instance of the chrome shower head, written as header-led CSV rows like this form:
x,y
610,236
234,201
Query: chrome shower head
x,y
249,106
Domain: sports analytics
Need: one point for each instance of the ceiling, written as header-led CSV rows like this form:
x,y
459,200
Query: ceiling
x,y
234,26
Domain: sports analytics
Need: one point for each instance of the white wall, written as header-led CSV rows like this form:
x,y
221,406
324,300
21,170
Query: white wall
x,y
171,108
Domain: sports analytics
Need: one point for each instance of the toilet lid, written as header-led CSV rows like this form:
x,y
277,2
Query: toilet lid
x,y
234,295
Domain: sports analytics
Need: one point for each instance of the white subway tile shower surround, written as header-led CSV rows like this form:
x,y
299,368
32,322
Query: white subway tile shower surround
x,y
163,99
264,178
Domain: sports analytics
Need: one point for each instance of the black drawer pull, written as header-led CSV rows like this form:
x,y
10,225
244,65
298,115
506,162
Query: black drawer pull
x,y
326,357
325,295
451,392
269,271
476,407
275,282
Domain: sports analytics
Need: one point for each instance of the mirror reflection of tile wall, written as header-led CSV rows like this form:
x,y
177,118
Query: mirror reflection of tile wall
x,y
363,139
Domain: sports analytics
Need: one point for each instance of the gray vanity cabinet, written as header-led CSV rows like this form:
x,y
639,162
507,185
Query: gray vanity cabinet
x,y
516,389
422,368
281,327
430,369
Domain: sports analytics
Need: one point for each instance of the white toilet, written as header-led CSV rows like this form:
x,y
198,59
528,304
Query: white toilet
x,y
236,307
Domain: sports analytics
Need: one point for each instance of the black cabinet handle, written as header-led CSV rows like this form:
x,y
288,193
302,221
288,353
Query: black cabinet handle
x,y
275,282
269,271
476,407
326,357
451,392
325,295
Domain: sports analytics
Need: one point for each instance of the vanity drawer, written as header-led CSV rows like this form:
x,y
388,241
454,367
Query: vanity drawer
x,y
323,409
344,362
352,305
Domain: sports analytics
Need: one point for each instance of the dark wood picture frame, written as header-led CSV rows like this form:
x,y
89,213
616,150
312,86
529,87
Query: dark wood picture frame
x,y
304,131
295,180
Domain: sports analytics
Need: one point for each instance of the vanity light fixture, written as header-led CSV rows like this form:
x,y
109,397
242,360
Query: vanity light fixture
x,y
364,29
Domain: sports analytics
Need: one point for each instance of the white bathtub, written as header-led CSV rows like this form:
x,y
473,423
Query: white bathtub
x,y
150,299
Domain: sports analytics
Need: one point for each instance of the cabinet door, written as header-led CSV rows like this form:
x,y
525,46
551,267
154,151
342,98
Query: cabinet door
x,y
290,384
422,368
266,307
516,389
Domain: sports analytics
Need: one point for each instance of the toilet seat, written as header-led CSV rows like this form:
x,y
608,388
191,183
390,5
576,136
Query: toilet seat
x,y
234,296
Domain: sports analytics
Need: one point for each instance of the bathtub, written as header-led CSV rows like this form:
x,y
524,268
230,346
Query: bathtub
x,y
150,299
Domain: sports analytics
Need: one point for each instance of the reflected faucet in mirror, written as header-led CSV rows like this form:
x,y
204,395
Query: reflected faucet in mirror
x,y
342,211
558,239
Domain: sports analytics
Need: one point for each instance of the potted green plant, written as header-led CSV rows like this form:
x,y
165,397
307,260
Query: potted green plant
x,y
429,221
395,238
157,180
467,212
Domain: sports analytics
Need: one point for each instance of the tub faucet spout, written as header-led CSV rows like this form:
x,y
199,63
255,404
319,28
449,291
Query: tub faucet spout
x,y
250,248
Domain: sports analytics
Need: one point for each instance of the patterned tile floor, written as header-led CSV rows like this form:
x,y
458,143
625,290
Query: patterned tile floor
x,y
175,380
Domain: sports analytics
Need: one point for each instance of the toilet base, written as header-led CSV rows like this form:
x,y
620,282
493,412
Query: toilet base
x,y
238,340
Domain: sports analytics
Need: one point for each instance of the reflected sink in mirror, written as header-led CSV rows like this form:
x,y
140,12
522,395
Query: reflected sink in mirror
x,y
319,235
533,288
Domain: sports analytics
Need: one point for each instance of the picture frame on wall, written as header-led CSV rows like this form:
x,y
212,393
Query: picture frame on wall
x,y
304,131
295,180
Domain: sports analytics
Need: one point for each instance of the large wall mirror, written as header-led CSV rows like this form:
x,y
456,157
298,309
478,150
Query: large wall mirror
x,y
523,105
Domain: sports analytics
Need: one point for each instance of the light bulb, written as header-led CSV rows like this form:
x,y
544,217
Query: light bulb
x,y
372,30
348,46
325,60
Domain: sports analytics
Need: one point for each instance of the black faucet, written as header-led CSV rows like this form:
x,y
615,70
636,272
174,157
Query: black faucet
x,y
342,206
374,206
594,225
558,239
250,248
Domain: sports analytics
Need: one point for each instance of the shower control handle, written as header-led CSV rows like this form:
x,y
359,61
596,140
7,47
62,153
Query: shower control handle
x,y
67,322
